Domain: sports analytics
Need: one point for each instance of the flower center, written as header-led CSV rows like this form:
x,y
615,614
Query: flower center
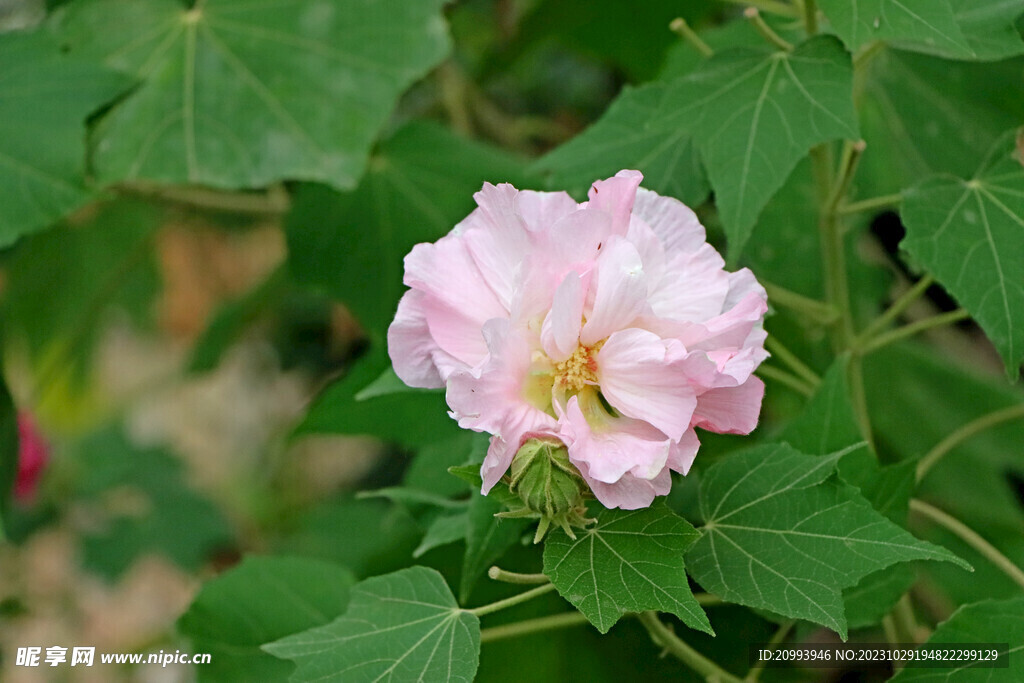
x,y
579,369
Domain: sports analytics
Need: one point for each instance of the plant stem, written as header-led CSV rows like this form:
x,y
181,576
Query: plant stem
x,y
795,364
663,636
970,537
683,29
499,574
883,202
964,433
274,202
811,16
522,628
819,310
708,600
904,621
912,329
779,635
901,304
754,17
513,601
770,6
783,377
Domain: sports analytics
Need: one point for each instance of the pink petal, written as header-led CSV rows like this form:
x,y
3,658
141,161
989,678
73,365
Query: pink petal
x,y
456,333
411,346
613,447
446,271
672,221
560,333
615,196
683,453
693,288
497,239
730,410
631,493
642,377
541,210
621,292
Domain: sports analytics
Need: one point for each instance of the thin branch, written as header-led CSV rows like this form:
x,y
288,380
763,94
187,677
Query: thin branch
x,y
777,349
779,635
819,310
895,309
966,432
754,17
970,537
540,624
664,637
771,6
499,574
888,201
513,601
273,202
683,29
912,329
811,17
783,377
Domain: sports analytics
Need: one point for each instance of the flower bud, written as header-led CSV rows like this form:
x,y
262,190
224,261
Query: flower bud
x,y
550,486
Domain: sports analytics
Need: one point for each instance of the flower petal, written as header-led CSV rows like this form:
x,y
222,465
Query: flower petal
x,y
672,221
621,292
684,452
411,345
643,377
446,271
560,333
631,493
541,210
497,239
730,410
615,196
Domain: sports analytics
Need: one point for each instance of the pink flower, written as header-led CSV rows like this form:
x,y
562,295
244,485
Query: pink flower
x,y
33,453
610,325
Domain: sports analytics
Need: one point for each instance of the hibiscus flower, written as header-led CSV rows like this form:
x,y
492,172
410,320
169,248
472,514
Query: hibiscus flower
x,y
609,325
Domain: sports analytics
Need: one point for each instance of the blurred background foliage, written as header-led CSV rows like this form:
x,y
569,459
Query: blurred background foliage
x,y
185,330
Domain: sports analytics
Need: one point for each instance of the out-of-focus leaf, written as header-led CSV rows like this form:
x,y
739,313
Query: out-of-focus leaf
x,y
827,423
47,96
969,234
242,93
990,621
8,449
294,594
487,539
779,536
874,597
399,627
629,561
906,22
420,183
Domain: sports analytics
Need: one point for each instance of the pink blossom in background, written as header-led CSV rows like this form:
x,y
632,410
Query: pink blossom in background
x,y
33,454
610,325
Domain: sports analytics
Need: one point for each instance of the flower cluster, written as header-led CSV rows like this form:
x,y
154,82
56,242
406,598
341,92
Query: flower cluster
x,y
609,325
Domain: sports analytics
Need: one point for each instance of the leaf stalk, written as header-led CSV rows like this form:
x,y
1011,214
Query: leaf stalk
x,y
664,637
966,432
512,601
754,17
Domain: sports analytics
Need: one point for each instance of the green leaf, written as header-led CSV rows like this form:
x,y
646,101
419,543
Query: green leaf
x,y
827,423
9,449
629,561
760,114
929,23
420,183
874,597
242,93
968,234
411,418
295,594
399,627
643,129
779,536
428,470
990,27
990,621
471,475
47,96
487,539
442,531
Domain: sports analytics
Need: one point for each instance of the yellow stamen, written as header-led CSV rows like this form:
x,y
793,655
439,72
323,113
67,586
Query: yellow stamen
x,y
579,369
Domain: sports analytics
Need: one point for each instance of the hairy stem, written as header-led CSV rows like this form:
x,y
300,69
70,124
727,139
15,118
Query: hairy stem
x,y
884,202
970,537
966,432
499,574
912,329
540,624
513,601
664,637
895,309
805,305
777,349
785,378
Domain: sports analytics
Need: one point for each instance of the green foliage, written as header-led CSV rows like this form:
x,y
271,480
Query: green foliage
x,y
929,23
967,233
47,97
295,594
399,627
629,561
990,621
487,539
827,423
242,94
8,449
778,535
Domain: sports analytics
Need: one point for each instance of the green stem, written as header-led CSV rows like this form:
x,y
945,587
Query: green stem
x,y
811,16
754,17
783,377
708,600
912,329
513,601
884,202
812,308
895,309
499,574
904,619
970,537
663,636
966,432
776,348
523,628
681,28
771,6
859,400
274,202
779,635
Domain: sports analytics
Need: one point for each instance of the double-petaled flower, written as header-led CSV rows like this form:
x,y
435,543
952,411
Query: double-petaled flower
x,y
609,325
